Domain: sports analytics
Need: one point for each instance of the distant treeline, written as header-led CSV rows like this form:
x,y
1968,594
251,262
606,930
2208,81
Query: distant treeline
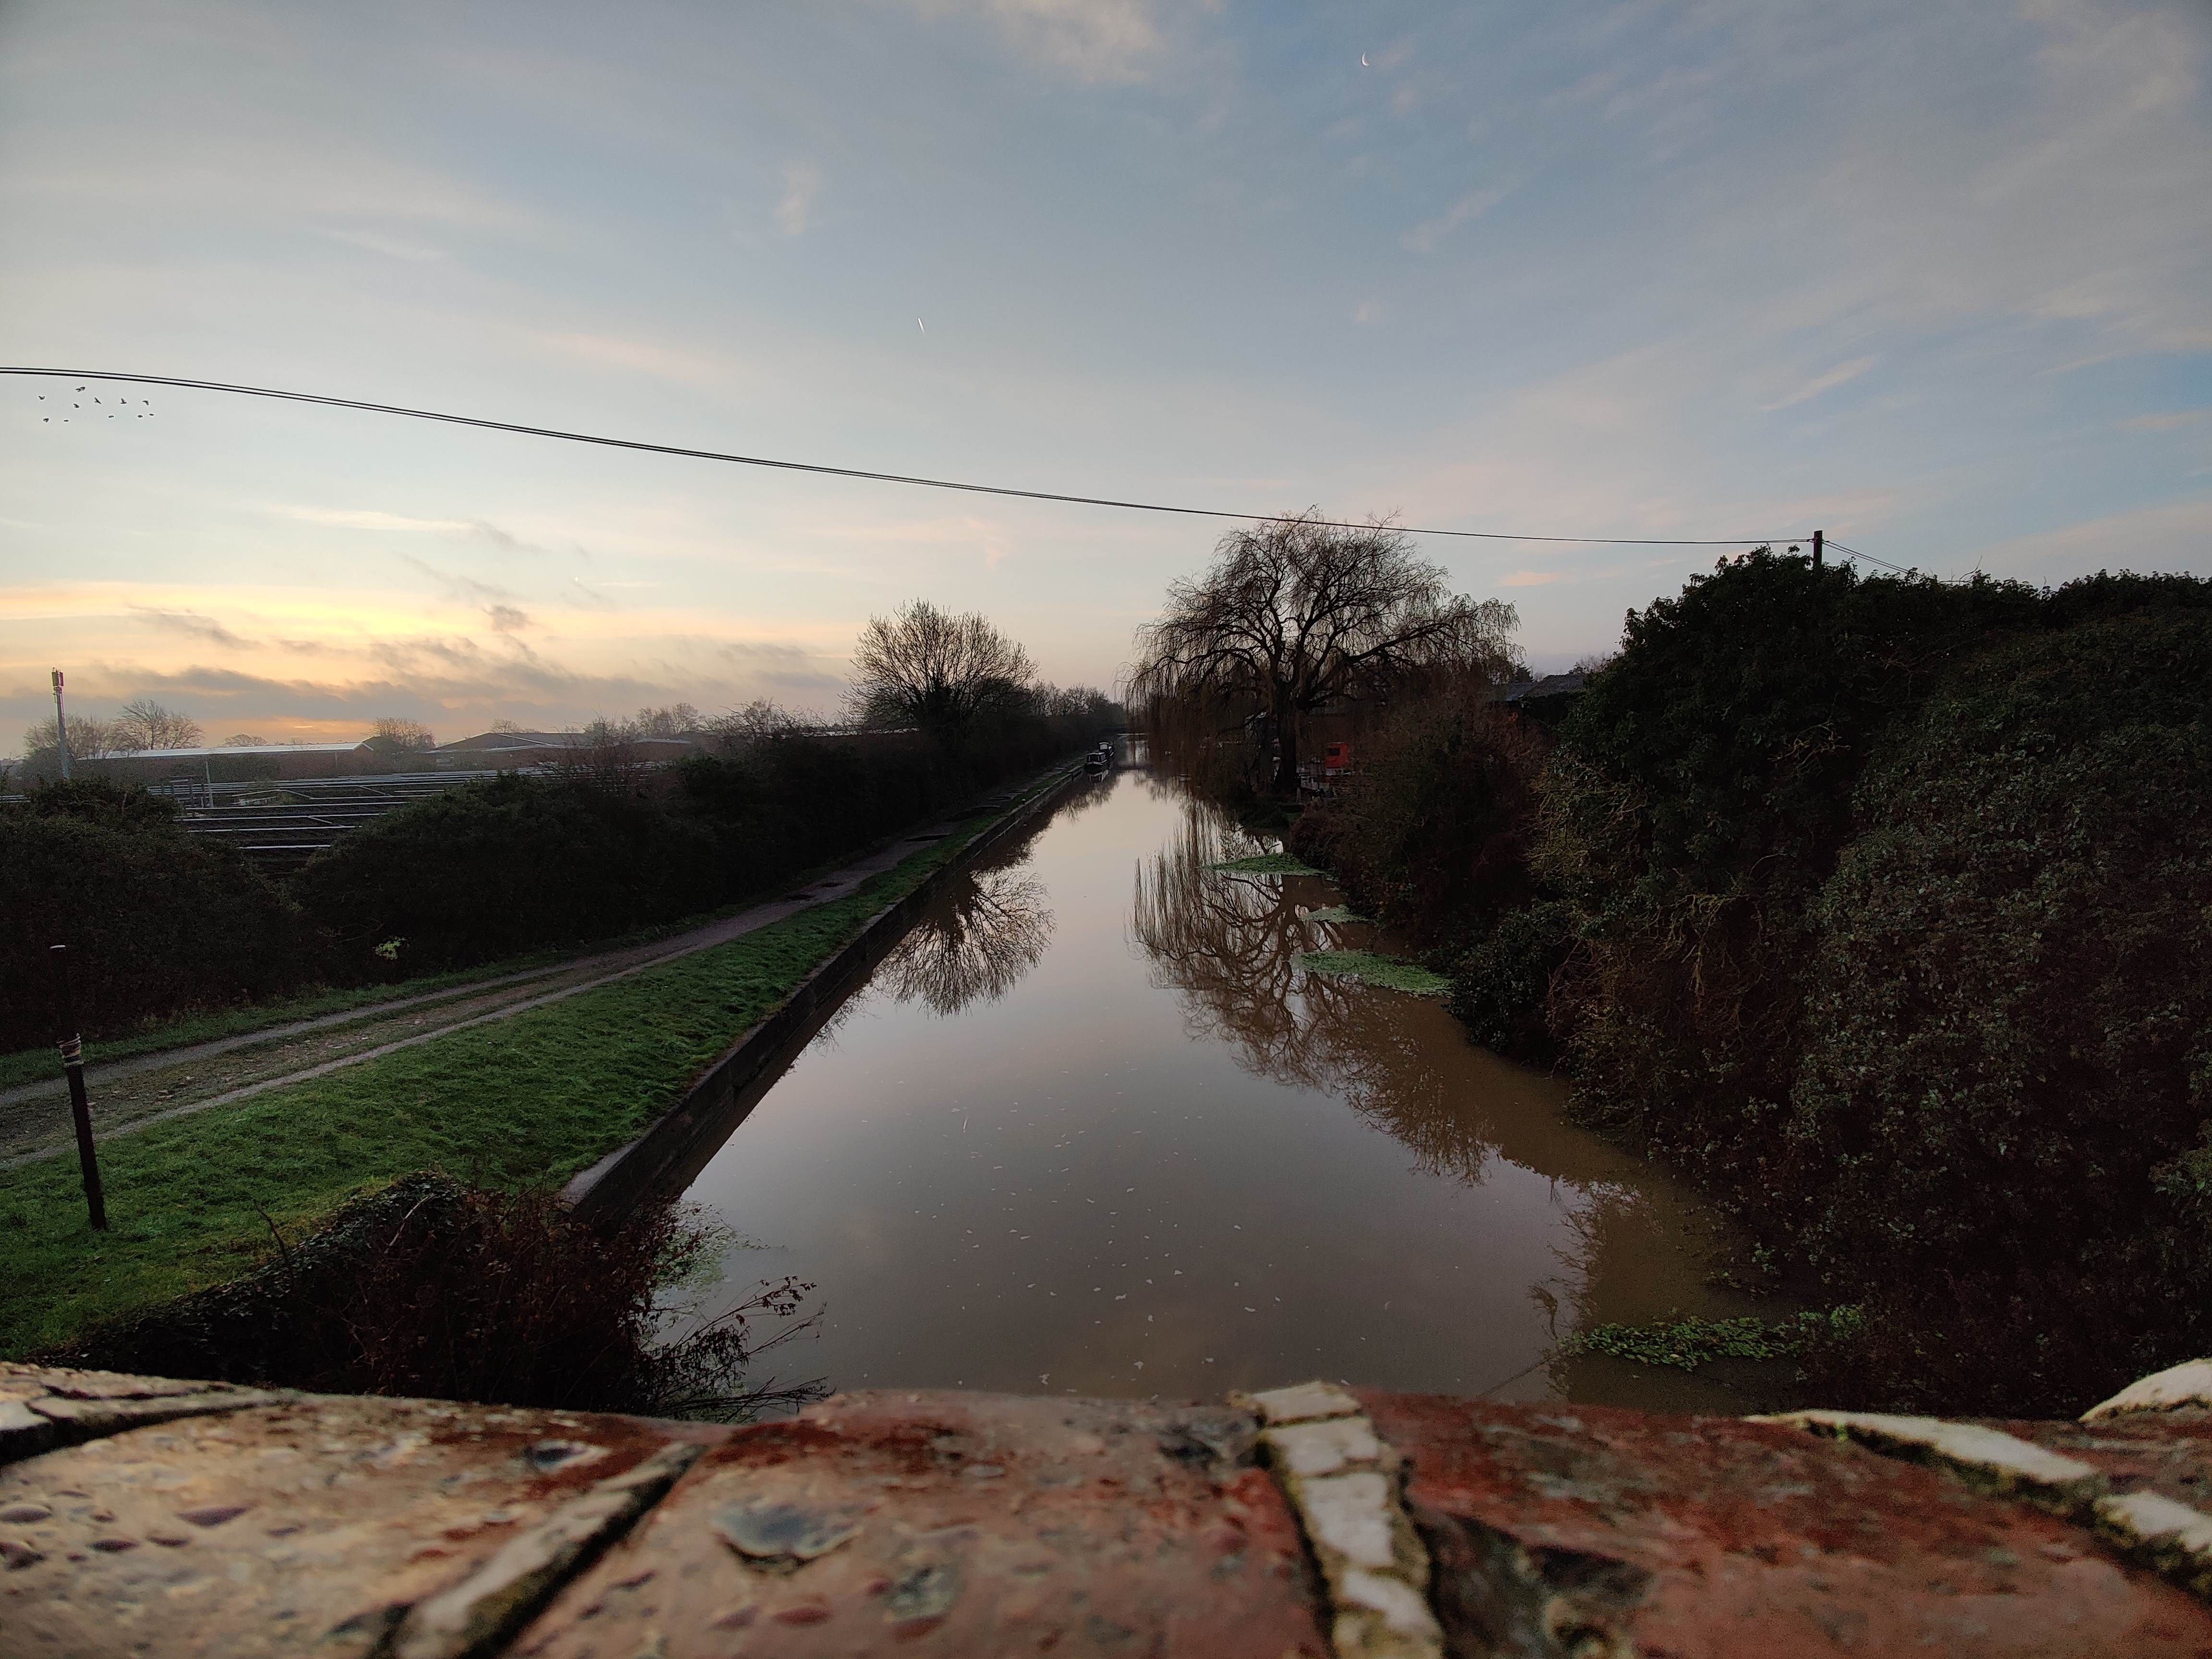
x,y
162,923
1883,906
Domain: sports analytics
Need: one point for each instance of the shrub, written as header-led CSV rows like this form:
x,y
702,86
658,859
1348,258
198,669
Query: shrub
x,y
1700,795
1429,835
158,921
1501,985
2009,1029
436,1289
506,866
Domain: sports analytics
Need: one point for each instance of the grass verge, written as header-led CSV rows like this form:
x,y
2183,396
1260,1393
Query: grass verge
x,y
525,1099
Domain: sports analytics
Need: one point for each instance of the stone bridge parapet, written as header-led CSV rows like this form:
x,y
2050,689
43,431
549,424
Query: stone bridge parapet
x,y
147,1516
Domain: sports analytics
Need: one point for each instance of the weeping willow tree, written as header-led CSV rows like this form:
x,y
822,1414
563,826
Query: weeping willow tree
x,y
1299,614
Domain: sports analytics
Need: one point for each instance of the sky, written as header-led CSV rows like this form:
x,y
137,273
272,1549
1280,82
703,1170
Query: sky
x,y
1932,278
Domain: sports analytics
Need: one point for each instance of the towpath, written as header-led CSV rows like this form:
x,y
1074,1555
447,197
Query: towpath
x,y
130,1094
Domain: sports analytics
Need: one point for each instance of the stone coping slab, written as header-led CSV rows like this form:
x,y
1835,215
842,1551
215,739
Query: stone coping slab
x,y
311,1525
955,1524
1585,1530
155,1517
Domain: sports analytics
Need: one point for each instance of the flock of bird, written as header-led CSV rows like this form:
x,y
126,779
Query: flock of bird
x,y
121,407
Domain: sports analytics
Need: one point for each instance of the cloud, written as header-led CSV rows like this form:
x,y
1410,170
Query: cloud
x,y
496,603
1091,39
2172,536
391,247
591,599
1531,578
781,653
1828,382
691,364
1368,312
1423,238
2164,422
494,534
802,183
191,624
352,518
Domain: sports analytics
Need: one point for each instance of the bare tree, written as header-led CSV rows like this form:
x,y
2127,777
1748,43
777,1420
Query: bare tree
x,y
922,667
403,734
145,724
245,740
89,738
1295,614
973,945
678,720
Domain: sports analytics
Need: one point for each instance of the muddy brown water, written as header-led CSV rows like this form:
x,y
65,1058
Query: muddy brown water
x,y
1090,1129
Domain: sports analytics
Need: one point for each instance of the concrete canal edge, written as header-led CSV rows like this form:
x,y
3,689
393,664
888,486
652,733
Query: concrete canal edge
x,y
159,1517
678,1144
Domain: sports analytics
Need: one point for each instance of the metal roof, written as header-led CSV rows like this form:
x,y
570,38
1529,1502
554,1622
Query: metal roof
x,y
270,750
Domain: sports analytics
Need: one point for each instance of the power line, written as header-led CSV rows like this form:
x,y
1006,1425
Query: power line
x,y
843,471
1897,570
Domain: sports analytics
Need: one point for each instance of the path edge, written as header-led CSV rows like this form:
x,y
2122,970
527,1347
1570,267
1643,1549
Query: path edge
x,y
610,1190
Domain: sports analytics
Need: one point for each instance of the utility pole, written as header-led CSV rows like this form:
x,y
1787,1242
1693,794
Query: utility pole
x,y
1820,545
73,1062
60,725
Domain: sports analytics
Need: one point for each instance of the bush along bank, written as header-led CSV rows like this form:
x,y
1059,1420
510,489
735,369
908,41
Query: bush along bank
x,y
1883,907
164,923
436,1289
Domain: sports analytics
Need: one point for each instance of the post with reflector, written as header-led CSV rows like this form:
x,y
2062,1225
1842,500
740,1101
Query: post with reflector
x,y
80,1108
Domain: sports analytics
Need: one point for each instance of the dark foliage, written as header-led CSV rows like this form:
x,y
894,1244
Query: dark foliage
x,y
1502,985
435,1289
506,866
1430,834
157,921
526,863
1882,906
1700,795
1887,906
2008,1058
162,923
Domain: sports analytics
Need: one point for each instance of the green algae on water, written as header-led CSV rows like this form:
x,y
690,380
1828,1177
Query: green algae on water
x,y
1265,864
1685,1344
1371,969
1336,913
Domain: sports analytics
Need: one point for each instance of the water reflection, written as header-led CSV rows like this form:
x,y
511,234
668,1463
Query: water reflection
x,y
1075,1139
1229,946
983,933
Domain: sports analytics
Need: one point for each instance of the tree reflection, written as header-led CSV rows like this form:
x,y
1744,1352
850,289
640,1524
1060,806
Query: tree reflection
x,y
979,935
1228,946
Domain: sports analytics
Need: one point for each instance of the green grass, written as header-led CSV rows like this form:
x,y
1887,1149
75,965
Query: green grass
x,y
1371,969
1685,1344
34,1064
1265,864
531,1098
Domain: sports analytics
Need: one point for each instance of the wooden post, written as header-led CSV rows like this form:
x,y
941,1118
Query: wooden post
x,y
1820,545
80,1108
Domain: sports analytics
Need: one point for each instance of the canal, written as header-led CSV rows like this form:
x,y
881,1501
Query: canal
x,y
1091,1130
